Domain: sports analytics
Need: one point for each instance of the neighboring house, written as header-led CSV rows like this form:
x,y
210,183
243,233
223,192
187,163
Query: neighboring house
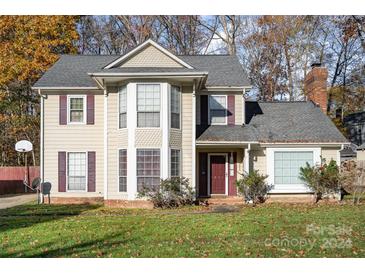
x,y
113,124
355,124
361,153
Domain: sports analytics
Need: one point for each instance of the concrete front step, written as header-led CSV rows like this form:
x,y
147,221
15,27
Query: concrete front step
x,y
223,200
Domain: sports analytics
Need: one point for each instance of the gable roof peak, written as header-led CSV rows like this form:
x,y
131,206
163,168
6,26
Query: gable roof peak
x,y
142,46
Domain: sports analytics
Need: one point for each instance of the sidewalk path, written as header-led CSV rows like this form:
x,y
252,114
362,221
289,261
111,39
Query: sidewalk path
x,y
15,200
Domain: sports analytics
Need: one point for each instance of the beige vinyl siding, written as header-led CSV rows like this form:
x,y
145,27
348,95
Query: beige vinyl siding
x,y
151,57
175,138
187,122
238,109
148,137
117,139
330,153
69,138
258,160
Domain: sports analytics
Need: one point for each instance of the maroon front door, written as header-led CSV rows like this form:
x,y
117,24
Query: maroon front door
x,y
218,174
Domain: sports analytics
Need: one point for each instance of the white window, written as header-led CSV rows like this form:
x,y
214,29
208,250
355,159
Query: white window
x,y
175,107
287,166
76,171
76,109
148,105
123,170
175,163
148,168
123,107
218,109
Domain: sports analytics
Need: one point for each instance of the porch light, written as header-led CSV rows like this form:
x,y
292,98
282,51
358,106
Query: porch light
x,y
231,165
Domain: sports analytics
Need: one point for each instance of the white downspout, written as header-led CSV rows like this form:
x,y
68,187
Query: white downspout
x,y
105,167
193,130
42,142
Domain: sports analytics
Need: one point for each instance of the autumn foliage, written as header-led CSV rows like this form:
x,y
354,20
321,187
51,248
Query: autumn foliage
x,y
29,45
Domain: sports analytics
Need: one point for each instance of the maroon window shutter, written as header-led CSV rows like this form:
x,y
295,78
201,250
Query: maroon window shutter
x,y
61,171
90,109
204,110
91,164
63,109
203,174
231,116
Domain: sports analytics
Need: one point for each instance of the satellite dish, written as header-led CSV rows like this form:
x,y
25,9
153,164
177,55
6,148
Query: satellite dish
x,y
23,146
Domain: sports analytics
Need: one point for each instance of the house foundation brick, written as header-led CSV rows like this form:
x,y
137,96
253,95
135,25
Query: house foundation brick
x,y
74,200
128,204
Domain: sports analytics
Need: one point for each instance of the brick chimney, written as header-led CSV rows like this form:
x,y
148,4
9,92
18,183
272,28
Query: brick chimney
x,y
315,86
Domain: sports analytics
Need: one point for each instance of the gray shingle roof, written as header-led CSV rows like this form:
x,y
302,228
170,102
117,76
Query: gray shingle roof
x,y
279,122
72,70
218,133
224,70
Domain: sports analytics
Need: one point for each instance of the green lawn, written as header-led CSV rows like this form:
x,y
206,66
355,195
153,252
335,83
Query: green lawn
x,y
263,231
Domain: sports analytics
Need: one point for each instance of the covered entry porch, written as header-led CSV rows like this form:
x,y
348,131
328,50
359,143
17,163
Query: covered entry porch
x,y
219,166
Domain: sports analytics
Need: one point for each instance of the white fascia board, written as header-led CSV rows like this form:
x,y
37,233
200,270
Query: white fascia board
x,y
139,74
65,88
300,144
220,143
143,45
219,88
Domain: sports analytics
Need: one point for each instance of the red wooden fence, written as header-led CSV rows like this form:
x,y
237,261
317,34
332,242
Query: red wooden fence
x,y
11,178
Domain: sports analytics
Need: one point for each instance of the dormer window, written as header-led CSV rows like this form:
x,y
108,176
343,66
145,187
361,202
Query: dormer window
x,y
218,109
148,105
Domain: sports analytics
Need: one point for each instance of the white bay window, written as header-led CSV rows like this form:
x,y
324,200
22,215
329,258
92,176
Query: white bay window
x,y
123,107
148,105
175,107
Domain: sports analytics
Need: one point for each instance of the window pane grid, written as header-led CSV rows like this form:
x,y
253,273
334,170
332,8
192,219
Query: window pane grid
x,y
76,109
148,168
175,107
175,163
76,171
148,105
287,166
123,170
218,109
123,107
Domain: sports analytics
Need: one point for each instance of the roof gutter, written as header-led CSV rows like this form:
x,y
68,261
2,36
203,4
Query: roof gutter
x,y
323,144
65,88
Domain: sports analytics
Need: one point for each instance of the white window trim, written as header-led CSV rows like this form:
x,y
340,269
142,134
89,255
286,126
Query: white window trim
x,y
180,123
86,170
161,102
225,175
288,188
180,164
136,163
118,109
118,173
69,109
209,98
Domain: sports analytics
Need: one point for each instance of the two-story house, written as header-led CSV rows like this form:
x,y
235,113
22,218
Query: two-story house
x,y
113,124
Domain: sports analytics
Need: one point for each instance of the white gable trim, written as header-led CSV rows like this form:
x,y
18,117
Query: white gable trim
x,y
143,45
